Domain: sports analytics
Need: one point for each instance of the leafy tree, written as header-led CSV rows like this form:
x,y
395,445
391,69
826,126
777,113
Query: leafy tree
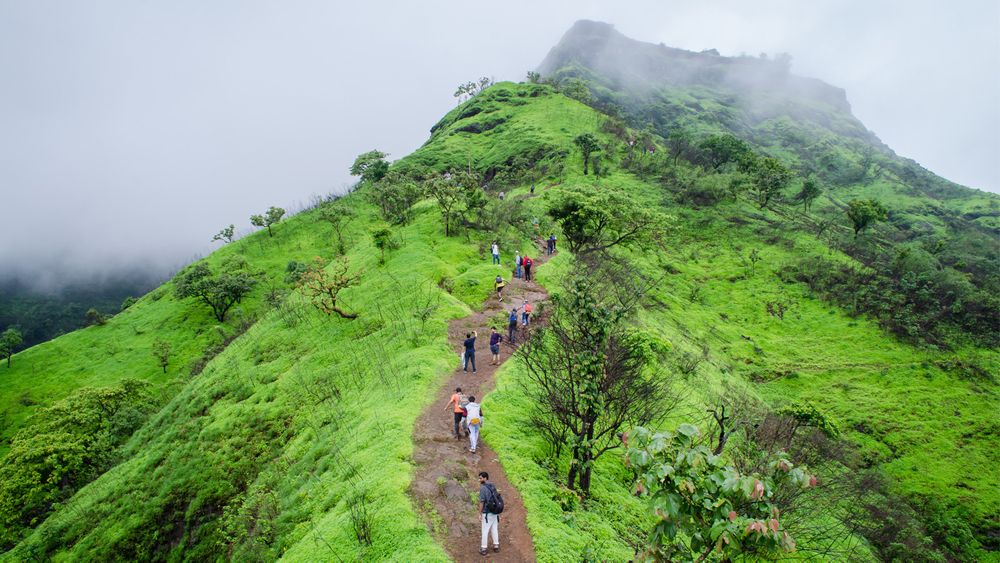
x,y
128,302
680,144
64,447
809,192
394,195
703,507
717,150
338,217
449,191
769,178
576,89
323,287
588,145
273,215
534,77
94,317
596,220
472,88
864,213
383,240
590,377
226,234
220,291
161,351
370,166
10,339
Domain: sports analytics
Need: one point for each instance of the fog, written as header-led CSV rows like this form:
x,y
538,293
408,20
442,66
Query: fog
x,y
131,132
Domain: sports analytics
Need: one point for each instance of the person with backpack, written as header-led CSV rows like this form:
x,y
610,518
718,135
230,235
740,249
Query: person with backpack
x,y
552,243
474,417
495,338
470,351
511,325
517,265
527,268
498,285
496,252
490,507
526,314
459,411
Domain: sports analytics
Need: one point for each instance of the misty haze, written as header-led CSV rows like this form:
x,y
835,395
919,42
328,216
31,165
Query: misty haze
x,y
554,281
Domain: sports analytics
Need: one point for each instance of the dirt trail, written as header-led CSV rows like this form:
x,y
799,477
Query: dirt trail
x,y
446,476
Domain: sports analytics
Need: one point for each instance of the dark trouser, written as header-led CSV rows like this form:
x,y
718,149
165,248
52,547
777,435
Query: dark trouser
x,y
511,329
527,273
549,246
458,421
496,258
470,357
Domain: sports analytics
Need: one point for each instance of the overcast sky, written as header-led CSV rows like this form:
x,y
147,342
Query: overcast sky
x,y
131,132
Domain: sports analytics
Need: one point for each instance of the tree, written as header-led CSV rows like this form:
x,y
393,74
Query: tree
x,y
680,143
703,506
449,194
588,145
718,150
273,215
472,88
596,220
370,166
10,339
338,217
94,317
590,376
161,351
394,195
769,177
576,89
809,192
323,287
382,238
226,234
864,213
219,291
534,77
128,302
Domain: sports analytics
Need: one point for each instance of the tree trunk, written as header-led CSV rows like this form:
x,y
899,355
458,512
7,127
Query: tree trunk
x,y
586,161
345,315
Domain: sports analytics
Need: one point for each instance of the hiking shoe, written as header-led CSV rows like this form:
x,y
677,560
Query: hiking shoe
x,y
482,551
496,549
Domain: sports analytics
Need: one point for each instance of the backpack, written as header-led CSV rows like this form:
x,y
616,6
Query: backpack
x,y
494,504
528,262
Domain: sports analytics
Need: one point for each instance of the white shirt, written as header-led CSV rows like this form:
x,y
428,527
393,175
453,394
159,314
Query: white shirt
x,y
473,410
496,249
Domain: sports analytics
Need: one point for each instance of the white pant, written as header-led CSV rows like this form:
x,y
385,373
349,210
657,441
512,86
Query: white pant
x,y
473,436
491,525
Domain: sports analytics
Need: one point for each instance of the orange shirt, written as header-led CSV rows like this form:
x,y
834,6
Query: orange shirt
x,y
527,307
457,399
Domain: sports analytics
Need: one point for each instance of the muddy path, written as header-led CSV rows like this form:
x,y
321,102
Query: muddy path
x,y
445,481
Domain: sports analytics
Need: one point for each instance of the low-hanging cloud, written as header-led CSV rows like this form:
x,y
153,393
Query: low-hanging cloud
x,y
131,132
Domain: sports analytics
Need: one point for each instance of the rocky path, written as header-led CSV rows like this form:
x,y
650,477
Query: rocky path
x,y
445,484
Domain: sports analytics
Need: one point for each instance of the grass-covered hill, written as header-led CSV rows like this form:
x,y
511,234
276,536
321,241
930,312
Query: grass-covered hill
x,y
284,432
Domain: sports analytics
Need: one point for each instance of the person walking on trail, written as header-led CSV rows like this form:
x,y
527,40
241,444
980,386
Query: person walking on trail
x,y
501,196
526,313
518,262
474,415
551,246
498,285
527,268
491,521
496,252
459,411
495,338
511,326
470,352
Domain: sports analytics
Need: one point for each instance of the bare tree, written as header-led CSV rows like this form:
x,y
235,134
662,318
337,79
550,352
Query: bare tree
x,y
591,377
323,287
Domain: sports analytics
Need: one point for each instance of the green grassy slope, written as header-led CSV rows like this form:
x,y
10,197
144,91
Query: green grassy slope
x,y
302,424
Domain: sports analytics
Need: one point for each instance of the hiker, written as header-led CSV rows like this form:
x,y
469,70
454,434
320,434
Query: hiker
x,y
470,352
532,188
527,268
526,314
496,253
459,410
495,338
474,414
551,243
517,265
511,326
501,196
498,285
491,522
